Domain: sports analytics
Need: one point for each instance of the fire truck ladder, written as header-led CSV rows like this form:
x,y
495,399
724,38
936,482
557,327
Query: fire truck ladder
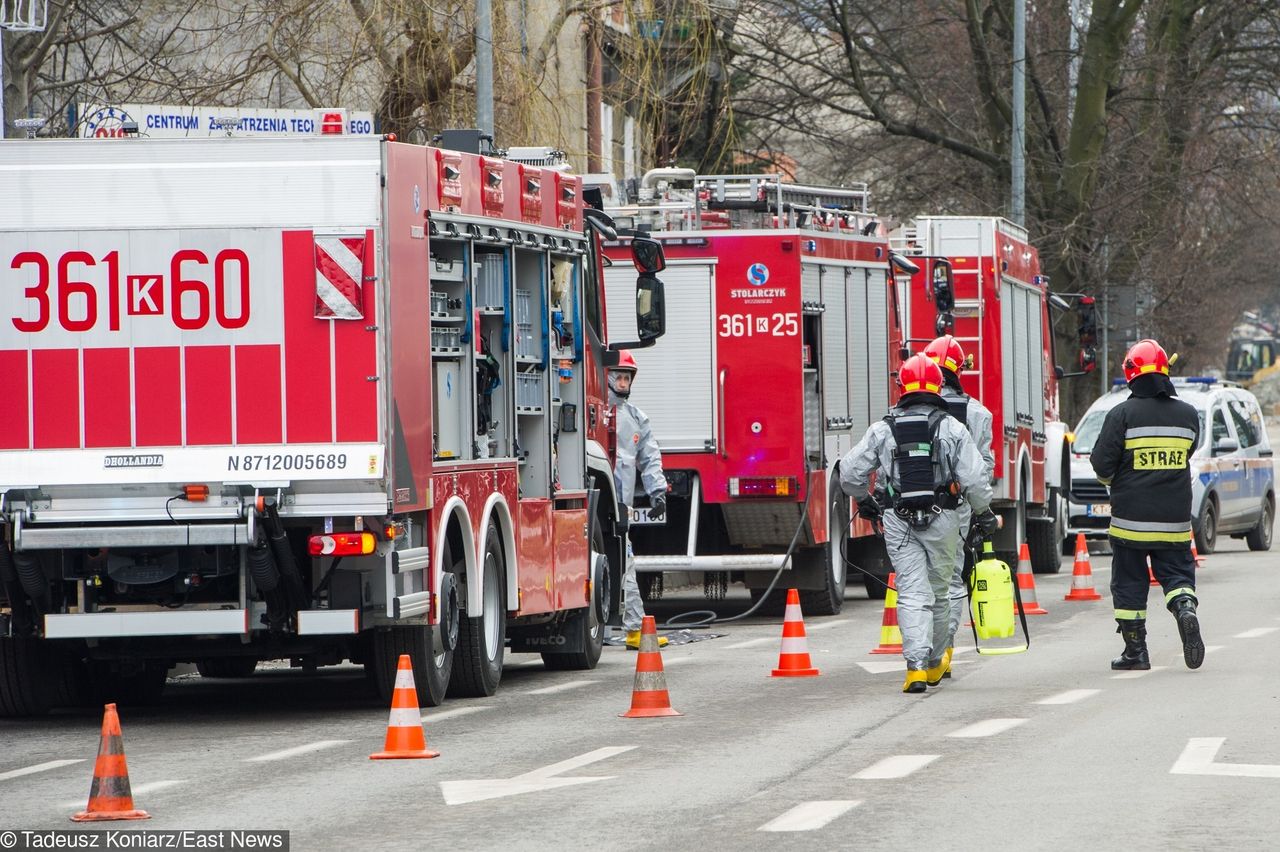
x,y
800,204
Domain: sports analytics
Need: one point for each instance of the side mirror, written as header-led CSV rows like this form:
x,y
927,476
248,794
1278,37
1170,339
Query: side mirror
x,y
1225,445
647,255
651,306
944,294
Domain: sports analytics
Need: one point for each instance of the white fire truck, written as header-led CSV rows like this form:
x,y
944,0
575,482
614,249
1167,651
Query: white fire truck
x,y
315,399
783,338
980,280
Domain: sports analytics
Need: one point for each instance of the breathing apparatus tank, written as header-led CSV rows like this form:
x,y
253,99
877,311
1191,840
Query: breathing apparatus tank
x,y
991,601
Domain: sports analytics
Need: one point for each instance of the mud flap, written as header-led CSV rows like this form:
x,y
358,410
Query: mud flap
x,y
556,637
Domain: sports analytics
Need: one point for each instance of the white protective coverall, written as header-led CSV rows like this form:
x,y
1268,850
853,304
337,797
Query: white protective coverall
x,y
637,451
978,422
923,560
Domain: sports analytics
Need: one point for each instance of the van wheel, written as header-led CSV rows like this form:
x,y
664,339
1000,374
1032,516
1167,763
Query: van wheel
x,y
1206,528
1259,538
482,640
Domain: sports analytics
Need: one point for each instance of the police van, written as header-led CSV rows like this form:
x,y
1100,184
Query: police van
x,y
1233,481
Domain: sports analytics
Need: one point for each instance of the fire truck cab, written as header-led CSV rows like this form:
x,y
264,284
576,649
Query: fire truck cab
x,y
782,336
980,280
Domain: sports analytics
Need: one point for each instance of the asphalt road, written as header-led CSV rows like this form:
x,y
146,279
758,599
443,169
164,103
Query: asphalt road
x,y
1044,750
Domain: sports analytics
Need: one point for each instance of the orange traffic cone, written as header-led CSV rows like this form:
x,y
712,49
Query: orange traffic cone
x,y
793,660
890,635
405,739
1027,584
1151,573
1082,575
649,695
109,795
1199,560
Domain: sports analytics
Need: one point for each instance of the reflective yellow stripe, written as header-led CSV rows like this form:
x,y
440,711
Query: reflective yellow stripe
x,y
1131,614
1106,482
1132,535
1178,592
1159,442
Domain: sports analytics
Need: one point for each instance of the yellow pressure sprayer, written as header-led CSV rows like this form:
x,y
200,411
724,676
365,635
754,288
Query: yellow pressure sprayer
x,y
992,596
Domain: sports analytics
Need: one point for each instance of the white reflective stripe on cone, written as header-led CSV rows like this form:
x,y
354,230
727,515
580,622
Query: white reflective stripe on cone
x,y
793,613
404,679
794,645
405,717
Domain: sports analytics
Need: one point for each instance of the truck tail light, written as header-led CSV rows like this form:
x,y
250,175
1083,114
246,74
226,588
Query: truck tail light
x,y
341,544
763,486
195,493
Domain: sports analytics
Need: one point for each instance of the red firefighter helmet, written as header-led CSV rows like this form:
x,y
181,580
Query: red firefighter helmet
x,y
920,375
947,353
1145,356
626,363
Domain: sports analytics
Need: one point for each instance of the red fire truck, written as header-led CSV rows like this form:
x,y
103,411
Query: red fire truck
x,y
315,399
783,338
980,280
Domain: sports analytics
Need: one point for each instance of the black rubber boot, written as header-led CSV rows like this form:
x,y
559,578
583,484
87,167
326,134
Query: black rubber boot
x,y
1183,608
1135,657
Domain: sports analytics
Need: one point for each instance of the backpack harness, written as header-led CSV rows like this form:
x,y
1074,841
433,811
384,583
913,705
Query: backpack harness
x,y
921,485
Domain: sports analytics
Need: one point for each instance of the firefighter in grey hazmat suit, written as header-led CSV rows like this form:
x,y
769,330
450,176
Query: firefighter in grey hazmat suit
x,y
923,458
637,452
947,353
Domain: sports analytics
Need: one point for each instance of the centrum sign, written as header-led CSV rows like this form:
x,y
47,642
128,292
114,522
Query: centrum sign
x,y
174,122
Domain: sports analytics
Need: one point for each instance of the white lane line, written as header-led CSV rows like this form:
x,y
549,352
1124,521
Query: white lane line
x,y
295,751
676,660
823,625
560,687
1198,759
1071,696
898,766
808,816
135,790
39,767
964,650
988,728
750,642
1136,674
523,664
432,716
1209,649
1256,632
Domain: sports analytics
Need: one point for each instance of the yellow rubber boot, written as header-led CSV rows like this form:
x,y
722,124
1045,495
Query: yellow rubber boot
x,y
915,682
633,640
935,674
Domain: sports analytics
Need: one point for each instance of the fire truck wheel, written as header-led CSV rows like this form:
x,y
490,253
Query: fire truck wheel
x,y
430,671
23,690
829,599
477,662
1044,537
587,623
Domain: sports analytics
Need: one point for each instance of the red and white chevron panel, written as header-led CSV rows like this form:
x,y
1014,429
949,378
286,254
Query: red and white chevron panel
x,y
339,273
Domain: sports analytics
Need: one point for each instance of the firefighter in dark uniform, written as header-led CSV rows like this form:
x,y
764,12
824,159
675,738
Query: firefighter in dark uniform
x,y
1143,453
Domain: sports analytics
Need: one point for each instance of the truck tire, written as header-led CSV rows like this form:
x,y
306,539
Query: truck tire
x,y
1259,538
477,662
227,667
585,627
23,689
829,599
1044,537
430,671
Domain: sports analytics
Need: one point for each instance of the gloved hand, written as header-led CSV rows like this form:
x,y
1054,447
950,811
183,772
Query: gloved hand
x,y
988,522
657,508
869,508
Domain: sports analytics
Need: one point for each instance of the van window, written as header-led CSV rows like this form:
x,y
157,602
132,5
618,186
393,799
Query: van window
x,y
1220,430
1248,433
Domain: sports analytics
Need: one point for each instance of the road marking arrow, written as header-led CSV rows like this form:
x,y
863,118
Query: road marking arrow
x,y
462,792
1197,759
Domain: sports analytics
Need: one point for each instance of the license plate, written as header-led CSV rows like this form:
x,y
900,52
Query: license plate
x,y
641,517
1099,510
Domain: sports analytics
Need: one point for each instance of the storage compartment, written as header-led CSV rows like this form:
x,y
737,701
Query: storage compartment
x,y
531,391
447,411
490,280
